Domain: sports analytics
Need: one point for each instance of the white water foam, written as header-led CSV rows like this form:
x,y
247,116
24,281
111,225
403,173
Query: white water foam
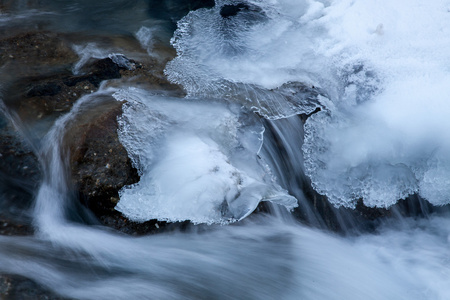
x,y
382,73
197,160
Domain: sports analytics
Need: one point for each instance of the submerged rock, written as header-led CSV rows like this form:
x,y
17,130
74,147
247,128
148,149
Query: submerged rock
x,y
14,287
230,10
35,53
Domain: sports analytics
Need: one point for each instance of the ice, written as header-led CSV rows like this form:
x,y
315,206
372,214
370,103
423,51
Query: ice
x,y
386,138
197,160
122,61
239,58
378,72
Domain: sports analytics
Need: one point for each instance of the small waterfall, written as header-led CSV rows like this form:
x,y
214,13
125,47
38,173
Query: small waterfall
x,y
55,198
282,149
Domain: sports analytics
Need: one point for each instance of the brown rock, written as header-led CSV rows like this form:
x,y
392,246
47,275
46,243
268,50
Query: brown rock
x,y
100,165
36,52
40,87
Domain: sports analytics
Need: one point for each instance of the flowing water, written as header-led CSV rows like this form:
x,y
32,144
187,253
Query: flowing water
x,y
348,96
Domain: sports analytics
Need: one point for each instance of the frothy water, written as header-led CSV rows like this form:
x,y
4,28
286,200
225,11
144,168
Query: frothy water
x,y
370,82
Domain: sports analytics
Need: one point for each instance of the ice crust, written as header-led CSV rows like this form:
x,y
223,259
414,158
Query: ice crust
x,y
236,59
381,70
386,138
197,160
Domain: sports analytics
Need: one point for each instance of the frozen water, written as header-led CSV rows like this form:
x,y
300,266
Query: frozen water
x,y
386,138
378,71
197,160
236,58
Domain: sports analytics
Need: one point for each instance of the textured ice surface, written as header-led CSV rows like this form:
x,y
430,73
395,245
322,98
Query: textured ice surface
x,y
197,160
379,72
238,58
386,136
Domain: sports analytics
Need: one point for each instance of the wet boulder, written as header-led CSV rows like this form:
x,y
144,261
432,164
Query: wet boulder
x,y
52,95
99,70
100,165
41,87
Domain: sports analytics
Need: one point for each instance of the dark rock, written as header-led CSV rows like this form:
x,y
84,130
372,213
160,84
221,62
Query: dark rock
x,y
19,178
371,213
116,220
48,89
38,98
102,69
15,227
252,14
37,79
100,165
151,77
18,160
33,64
14,287
230,10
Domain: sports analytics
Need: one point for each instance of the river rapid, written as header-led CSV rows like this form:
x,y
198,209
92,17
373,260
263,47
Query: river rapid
x,y
349,98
